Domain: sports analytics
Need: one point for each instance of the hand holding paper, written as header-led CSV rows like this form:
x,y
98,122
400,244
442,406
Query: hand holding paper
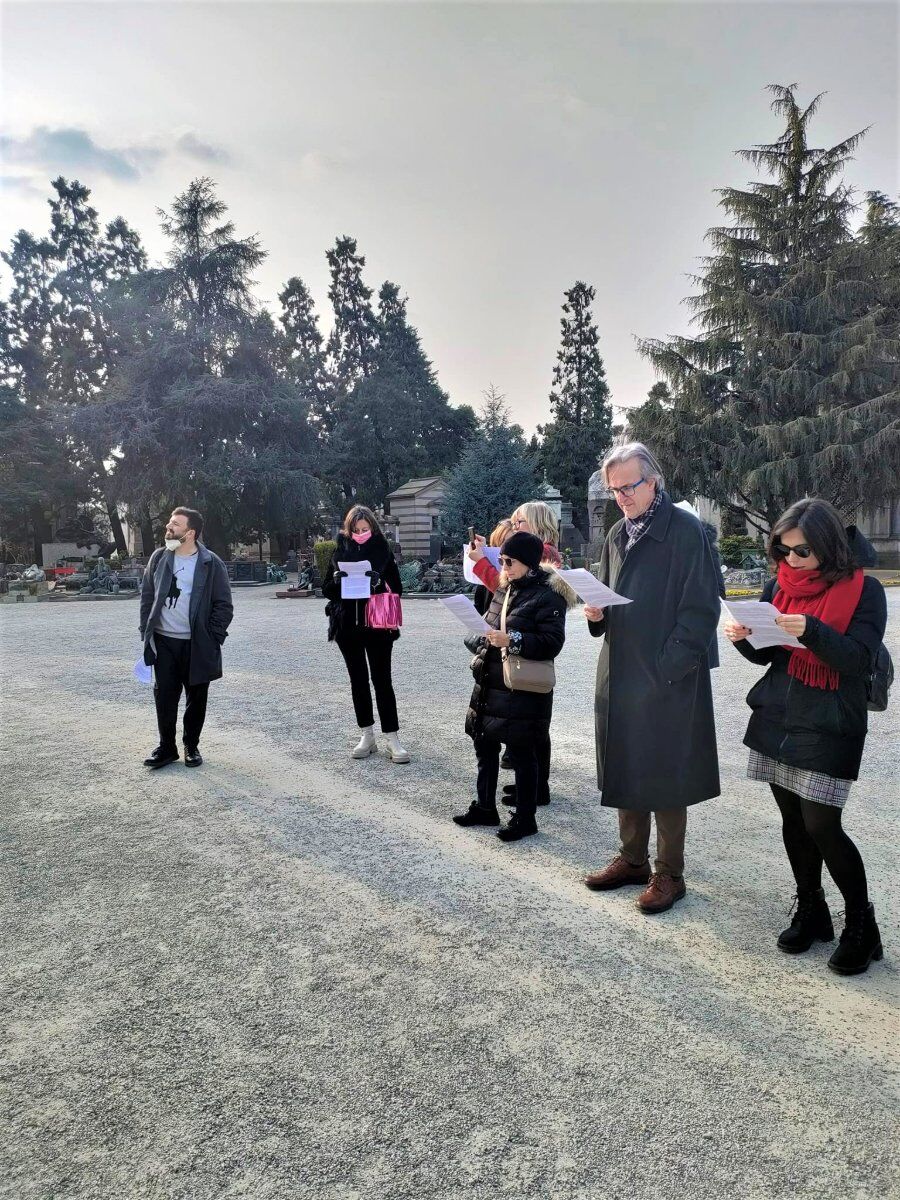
x,y
491,553
759,617
466,613
590,589
356,584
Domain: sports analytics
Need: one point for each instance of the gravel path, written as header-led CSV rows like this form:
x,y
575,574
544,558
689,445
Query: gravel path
x,y
289,975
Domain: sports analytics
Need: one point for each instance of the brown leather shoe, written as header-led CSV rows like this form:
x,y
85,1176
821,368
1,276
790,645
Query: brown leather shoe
x,y
661,893
616,874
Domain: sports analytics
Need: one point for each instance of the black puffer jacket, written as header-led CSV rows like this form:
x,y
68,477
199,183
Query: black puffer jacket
x,y
817,729
349,616
537,610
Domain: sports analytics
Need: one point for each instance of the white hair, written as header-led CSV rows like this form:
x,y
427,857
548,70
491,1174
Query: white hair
x,y
650,468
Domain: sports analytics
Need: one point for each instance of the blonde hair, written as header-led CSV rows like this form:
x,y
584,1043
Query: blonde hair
x,y
501,532
359,512
541,520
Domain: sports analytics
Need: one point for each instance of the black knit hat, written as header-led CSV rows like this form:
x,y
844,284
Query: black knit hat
x,y
525,548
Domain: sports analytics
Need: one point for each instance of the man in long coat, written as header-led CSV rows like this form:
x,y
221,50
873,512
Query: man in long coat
x,y
655,730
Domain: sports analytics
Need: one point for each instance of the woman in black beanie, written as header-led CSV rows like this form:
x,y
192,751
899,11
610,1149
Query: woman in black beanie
x,y
535,602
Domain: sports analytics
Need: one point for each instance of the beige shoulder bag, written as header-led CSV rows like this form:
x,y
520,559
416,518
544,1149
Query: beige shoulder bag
x,y
525,674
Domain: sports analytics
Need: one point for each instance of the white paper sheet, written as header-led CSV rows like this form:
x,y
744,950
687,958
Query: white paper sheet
x,y
142,673
466,613
357,585
492,553
590,589
759,617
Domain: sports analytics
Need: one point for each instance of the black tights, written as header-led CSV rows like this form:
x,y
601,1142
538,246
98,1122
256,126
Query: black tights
x,y
812,834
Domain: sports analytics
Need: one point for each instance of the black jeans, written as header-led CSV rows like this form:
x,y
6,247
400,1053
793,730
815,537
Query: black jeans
x,y
368,650
524,759
171,673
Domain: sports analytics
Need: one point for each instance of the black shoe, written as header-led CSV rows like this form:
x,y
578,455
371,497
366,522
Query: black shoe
x,y
161,757
509,797
505,762
475,815
192,756
811,920
860,943
517,829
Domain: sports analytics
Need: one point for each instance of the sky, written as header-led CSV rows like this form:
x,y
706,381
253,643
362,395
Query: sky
x,y
484,156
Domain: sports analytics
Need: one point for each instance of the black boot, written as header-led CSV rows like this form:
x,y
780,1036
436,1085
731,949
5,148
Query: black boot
x,y
518,827
192,756
476,815
509,796
860,943
811,920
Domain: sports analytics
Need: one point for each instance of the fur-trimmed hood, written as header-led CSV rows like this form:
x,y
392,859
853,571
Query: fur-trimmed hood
x,y
555,581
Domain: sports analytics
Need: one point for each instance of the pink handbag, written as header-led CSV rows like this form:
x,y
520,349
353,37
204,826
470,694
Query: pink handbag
x,y
383,611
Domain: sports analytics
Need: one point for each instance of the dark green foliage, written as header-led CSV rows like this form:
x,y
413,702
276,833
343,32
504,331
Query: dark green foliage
x,y
494,476
732,549
581,430
792,385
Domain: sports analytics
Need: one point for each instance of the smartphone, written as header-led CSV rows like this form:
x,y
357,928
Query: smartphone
x,y
472,536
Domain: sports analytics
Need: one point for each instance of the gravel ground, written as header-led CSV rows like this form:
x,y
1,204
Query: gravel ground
x,y
289,975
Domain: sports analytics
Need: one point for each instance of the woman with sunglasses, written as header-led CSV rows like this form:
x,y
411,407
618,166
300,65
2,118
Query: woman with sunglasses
x,y
535,603
537,518
808,727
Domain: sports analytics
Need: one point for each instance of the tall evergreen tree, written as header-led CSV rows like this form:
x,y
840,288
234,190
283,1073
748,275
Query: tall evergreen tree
x,y
495,474
791,386
306,363
354,337
581,429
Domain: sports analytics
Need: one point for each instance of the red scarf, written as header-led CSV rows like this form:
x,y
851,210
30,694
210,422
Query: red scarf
x,y
807,593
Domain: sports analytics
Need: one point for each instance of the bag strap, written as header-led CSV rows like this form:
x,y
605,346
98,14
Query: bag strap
x,y
503,612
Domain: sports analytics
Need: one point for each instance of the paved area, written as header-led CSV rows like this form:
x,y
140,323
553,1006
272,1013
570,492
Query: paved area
x,y
289,975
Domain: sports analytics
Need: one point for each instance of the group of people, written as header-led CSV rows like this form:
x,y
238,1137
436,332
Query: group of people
x,y
654,719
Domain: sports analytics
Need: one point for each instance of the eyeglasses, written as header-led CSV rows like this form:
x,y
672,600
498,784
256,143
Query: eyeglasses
x,y
519,521
506,560
629,489
780,550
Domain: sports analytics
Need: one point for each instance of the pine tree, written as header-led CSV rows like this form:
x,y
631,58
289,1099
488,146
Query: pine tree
x,y
581,429
353,338
494,476
304,348
791,386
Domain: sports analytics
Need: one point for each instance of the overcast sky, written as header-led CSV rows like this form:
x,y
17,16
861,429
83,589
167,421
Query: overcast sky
x,y
485,156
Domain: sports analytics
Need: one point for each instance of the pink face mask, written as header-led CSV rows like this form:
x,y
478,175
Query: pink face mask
x,y
361,538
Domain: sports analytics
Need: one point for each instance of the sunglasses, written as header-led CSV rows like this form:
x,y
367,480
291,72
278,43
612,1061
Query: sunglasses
x,y
782,551
507,561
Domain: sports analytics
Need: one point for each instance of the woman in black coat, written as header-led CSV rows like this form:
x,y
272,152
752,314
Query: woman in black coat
x,y
808,727
498,716
365,649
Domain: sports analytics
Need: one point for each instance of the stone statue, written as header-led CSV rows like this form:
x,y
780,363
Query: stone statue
x,y
33,574
99,580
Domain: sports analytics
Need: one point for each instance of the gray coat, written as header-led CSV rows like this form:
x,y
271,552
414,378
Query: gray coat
x,y
210,611
654,724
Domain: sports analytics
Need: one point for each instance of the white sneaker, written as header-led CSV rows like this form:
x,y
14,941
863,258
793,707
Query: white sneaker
x,y
395,749
366,744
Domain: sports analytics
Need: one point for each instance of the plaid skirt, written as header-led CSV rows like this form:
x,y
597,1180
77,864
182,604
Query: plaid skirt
x,y
811,785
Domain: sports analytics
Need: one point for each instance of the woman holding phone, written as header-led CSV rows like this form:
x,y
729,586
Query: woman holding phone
x,y
808,728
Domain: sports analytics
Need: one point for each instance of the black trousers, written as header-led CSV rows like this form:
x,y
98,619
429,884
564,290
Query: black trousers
x,y
365,651
524,759
171,674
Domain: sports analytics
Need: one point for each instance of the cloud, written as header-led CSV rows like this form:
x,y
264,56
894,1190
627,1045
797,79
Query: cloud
x,y
74,150
191,146
315,165
20,185
46,152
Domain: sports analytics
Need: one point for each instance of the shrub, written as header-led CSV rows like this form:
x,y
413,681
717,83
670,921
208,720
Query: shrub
x,y
733,547
323,551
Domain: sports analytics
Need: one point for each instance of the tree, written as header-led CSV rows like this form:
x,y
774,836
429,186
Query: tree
x,y
792,386
581,429
306,361
354,336
494,475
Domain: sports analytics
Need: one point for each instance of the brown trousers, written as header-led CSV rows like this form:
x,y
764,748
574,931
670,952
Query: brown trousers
x,y
634,830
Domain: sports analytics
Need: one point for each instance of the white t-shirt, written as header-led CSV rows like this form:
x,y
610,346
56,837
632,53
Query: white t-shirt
x,y
175,615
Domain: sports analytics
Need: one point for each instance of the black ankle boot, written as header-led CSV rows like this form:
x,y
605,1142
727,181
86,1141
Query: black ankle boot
x,y
517,828
860,943
510,800
811,920
476,815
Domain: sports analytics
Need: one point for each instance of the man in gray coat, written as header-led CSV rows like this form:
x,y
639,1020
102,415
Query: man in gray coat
x,y
654,724
185,613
